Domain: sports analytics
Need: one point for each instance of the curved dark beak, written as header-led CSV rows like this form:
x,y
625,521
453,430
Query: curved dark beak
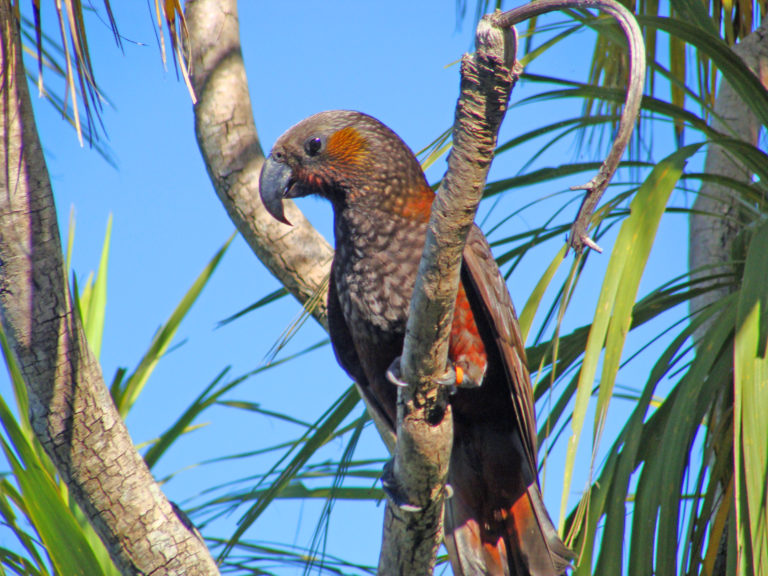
x,y
274,184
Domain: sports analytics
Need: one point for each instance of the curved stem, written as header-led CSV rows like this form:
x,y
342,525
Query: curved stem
x,y
297,255
626,21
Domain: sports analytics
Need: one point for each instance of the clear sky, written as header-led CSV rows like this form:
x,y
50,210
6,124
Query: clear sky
x,y
389,59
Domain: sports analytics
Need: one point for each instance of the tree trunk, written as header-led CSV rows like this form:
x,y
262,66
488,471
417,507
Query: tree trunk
x,y
71,411
716,221
712,236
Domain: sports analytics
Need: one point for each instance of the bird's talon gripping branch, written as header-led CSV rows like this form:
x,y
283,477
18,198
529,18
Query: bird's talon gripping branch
x,y
454,377
465,380
394,374
392,490
450,379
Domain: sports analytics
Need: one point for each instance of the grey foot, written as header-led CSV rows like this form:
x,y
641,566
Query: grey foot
x,y
392,490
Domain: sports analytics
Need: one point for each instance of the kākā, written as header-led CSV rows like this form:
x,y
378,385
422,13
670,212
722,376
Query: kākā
x,y
495,521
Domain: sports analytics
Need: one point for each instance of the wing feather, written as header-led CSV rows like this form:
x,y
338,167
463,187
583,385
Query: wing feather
x,y
487,285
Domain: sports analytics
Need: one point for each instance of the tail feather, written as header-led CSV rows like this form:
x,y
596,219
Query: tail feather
x,y
560,555
495,522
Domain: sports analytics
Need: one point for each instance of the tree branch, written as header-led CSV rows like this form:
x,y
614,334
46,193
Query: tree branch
x,y
716,222
413,534
71,411
297,255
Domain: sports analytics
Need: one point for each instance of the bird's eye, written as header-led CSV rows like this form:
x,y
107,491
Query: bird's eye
x,y
313,146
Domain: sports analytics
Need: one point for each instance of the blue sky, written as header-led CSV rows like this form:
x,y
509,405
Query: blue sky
x,y
392,60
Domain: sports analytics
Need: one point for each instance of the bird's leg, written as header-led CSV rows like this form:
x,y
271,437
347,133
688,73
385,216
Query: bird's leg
x,y
461,375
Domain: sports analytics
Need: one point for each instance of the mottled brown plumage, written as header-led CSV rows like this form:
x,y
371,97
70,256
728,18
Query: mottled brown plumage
x,y
495,522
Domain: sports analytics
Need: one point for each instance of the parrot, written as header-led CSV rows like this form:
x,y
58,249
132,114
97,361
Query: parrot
x,y
494,521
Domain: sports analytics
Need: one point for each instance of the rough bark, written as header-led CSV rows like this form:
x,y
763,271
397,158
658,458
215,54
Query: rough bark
x,y
297,255
715,221
71,410
424,423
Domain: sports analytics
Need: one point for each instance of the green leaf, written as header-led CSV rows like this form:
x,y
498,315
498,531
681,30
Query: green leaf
x,y
42,502
131,387
268,299
549,173
750,414
93,321
10,498
534,300
666,447
614,308
622,462
696,12
212,395
183,423
645,441
741,78
312,440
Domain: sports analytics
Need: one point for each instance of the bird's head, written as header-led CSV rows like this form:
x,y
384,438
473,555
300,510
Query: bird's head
x,y
350,158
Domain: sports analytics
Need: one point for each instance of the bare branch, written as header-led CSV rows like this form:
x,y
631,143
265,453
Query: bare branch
x,y
297,255
595,187
71,411
413,533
